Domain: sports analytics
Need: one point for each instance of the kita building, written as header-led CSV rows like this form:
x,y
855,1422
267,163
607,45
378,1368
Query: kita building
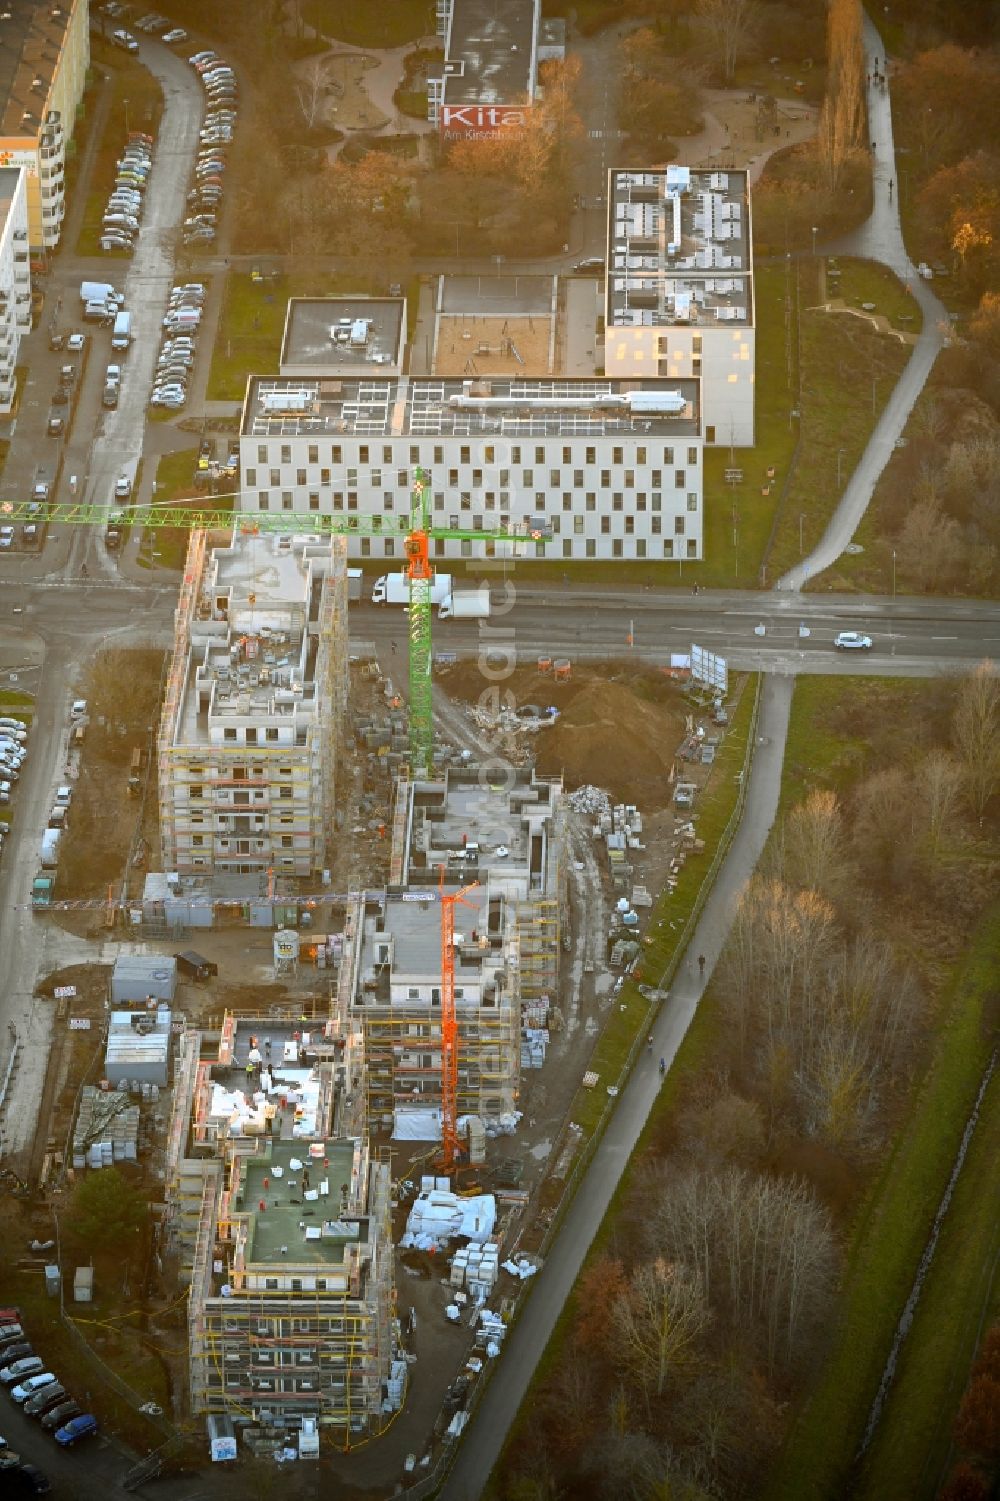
x,y
490,75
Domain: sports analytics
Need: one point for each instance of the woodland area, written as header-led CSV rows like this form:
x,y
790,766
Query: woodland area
x,y
705,1308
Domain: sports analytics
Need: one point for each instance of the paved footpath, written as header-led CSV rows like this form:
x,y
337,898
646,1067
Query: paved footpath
x,y
879,239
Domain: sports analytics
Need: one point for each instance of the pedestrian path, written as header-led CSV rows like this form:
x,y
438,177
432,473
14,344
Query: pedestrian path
x,y
880,238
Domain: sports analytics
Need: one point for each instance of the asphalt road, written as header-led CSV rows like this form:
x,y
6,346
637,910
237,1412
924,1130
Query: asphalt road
x,y
911,636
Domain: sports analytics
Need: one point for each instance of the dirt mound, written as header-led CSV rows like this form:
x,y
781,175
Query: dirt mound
x,y
610,736
618,727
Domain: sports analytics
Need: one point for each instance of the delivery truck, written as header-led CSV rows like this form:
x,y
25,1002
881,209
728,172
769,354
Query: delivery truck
x,y
394,589
50,848
466,604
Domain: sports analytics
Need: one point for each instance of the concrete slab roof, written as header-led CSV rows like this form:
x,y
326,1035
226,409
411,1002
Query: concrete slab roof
x,y
490,52
343,335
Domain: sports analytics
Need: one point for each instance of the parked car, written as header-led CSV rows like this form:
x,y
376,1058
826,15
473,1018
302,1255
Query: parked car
x,y
57,1416
45,1399
21,1366
27,1388
174,35
76,1429
852,641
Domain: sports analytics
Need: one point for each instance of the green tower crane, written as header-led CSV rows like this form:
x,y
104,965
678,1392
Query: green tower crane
x,y
419,533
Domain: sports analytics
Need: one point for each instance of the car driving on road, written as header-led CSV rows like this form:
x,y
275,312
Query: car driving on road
x,y
852,641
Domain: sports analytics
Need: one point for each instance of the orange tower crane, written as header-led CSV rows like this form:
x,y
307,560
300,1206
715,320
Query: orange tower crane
x,y
449,1023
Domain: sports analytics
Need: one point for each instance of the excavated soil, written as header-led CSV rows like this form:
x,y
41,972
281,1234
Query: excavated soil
x,y
618,728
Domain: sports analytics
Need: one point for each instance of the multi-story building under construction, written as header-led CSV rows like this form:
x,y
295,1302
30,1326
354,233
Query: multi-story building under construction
x,y
501,841
278,1216
254,705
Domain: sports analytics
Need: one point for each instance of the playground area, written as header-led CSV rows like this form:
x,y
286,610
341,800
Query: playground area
x,y
510,346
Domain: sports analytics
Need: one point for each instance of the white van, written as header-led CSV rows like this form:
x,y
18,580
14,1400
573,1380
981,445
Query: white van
x,y
121,334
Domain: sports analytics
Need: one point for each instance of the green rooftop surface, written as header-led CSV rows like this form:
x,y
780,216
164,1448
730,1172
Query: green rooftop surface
x,y
283,1222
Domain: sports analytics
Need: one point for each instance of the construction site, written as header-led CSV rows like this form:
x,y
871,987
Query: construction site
x,y
345,987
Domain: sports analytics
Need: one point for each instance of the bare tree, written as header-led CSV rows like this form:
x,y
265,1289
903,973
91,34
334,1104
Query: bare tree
x,y
781,945
939,777
725,1128
930,547
811,850
659,1322
842,116
310,91
885,832
766,1243
976,735
730,25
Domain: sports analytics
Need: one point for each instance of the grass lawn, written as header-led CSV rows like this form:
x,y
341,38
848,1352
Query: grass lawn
x,y
11,699
865,281
253,320
371,23
886,1244
960,1299
629,1014
175,482
849,371
820,752
136,99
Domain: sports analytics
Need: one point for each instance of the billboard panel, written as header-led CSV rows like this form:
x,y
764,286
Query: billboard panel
x,y
709,669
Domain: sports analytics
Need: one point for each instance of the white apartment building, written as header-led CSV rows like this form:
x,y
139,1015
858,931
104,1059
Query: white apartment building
x,y
254,706
679,292
44,57
608,468
15,277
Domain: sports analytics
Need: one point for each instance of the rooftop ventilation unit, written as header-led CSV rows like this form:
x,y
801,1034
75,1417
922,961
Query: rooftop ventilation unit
x,y
287,401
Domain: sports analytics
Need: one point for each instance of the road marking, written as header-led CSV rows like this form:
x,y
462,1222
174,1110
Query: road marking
x,y
944,638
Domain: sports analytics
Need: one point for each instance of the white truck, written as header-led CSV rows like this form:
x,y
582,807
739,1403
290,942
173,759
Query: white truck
x,y
100,291
394,589
50,848
466,604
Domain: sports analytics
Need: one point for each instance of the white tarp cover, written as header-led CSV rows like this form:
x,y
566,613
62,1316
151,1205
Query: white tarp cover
x,y
413,1124
438,1217
245,1112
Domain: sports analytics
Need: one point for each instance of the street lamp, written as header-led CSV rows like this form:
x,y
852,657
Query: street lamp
x,y
840,455
815,233
801,519
894,575
125,102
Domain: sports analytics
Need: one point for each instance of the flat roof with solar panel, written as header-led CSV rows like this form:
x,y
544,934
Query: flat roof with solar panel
x,y
481,407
